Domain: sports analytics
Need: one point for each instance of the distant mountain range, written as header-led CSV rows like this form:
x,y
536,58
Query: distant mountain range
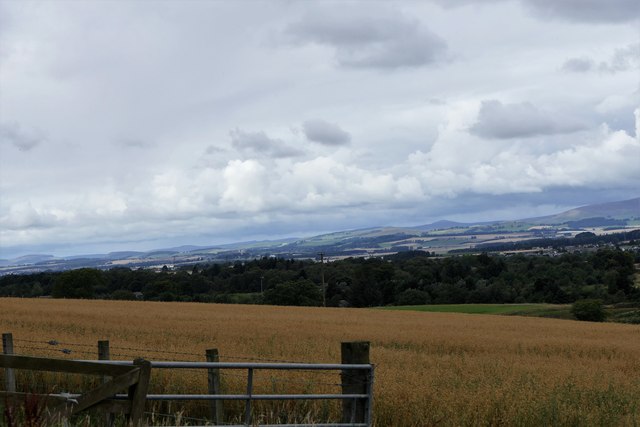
x,y
440,237
626,209
444,224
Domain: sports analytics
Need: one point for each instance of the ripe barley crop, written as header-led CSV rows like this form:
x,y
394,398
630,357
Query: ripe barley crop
x,y
431,368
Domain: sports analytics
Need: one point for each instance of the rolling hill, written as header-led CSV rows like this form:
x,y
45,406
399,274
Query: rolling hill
x,y
439,237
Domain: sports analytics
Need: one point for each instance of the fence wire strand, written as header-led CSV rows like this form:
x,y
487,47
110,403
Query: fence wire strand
x,y
54,346
54,342
56,350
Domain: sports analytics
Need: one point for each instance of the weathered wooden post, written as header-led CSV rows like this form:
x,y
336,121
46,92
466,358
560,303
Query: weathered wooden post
x,y
103,350
7,348
354,381
104,354
216,406
138,392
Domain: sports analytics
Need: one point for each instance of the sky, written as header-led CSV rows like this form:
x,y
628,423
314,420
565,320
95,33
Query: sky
x,y
136,125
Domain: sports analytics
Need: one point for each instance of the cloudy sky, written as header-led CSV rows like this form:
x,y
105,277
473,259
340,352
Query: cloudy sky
x,y
147,124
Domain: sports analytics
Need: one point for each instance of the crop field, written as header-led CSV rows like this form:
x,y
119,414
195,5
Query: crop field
x,y
431,368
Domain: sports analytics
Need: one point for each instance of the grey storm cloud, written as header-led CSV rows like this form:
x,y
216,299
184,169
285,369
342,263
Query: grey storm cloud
x,y
593,11
504,121
19,137
587,10
260,142
325,133
623,59
135,143
450,4
582,64
377,39
212,149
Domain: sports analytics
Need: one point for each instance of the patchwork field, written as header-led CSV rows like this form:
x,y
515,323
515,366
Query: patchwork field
x,y
431,368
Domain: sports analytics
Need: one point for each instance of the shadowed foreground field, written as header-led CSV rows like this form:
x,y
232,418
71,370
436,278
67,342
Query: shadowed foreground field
x,y
431,368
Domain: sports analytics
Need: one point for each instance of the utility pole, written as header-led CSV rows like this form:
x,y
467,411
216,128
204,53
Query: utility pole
x,y
324,290
261,290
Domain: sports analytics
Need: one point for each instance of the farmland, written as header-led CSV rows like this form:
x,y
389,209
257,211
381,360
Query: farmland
x,y
431,368
623,312
519,309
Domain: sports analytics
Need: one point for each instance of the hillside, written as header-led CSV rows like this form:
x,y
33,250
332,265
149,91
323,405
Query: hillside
x,y
625,209
440,237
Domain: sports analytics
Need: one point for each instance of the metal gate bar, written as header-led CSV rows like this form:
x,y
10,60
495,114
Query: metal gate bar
x,y
249,397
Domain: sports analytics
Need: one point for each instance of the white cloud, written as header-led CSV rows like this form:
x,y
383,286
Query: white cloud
x,y
618,102
126,115
24,216
246,186
519,169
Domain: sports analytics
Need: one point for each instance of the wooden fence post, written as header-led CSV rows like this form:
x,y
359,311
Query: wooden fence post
x,y
7,348
103,350
138,392
104,354
216,406
354,381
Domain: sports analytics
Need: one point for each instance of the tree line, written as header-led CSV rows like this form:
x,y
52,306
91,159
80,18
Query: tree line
x,y
407,278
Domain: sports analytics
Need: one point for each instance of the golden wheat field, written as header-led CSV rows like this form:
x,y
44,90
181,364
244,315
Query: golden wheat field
x,y
431,368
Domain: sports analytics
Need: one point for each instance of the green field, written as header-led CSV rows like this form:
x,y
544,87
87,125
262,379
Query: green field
x,y
545,310
619,313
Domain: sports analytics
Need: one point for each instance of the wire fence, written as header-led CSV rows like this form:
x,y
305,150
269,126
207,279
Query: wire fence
x,y
66,348
300,380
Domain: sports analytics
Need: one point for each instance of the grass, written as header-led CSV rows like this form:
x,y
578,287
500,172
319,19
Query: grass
x,y
521,309
444,369
615,313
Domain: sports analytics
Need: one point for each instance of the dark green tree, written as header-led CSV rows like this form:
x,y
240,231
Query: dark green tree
x,y
589,309
413,297
297,292
78,283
